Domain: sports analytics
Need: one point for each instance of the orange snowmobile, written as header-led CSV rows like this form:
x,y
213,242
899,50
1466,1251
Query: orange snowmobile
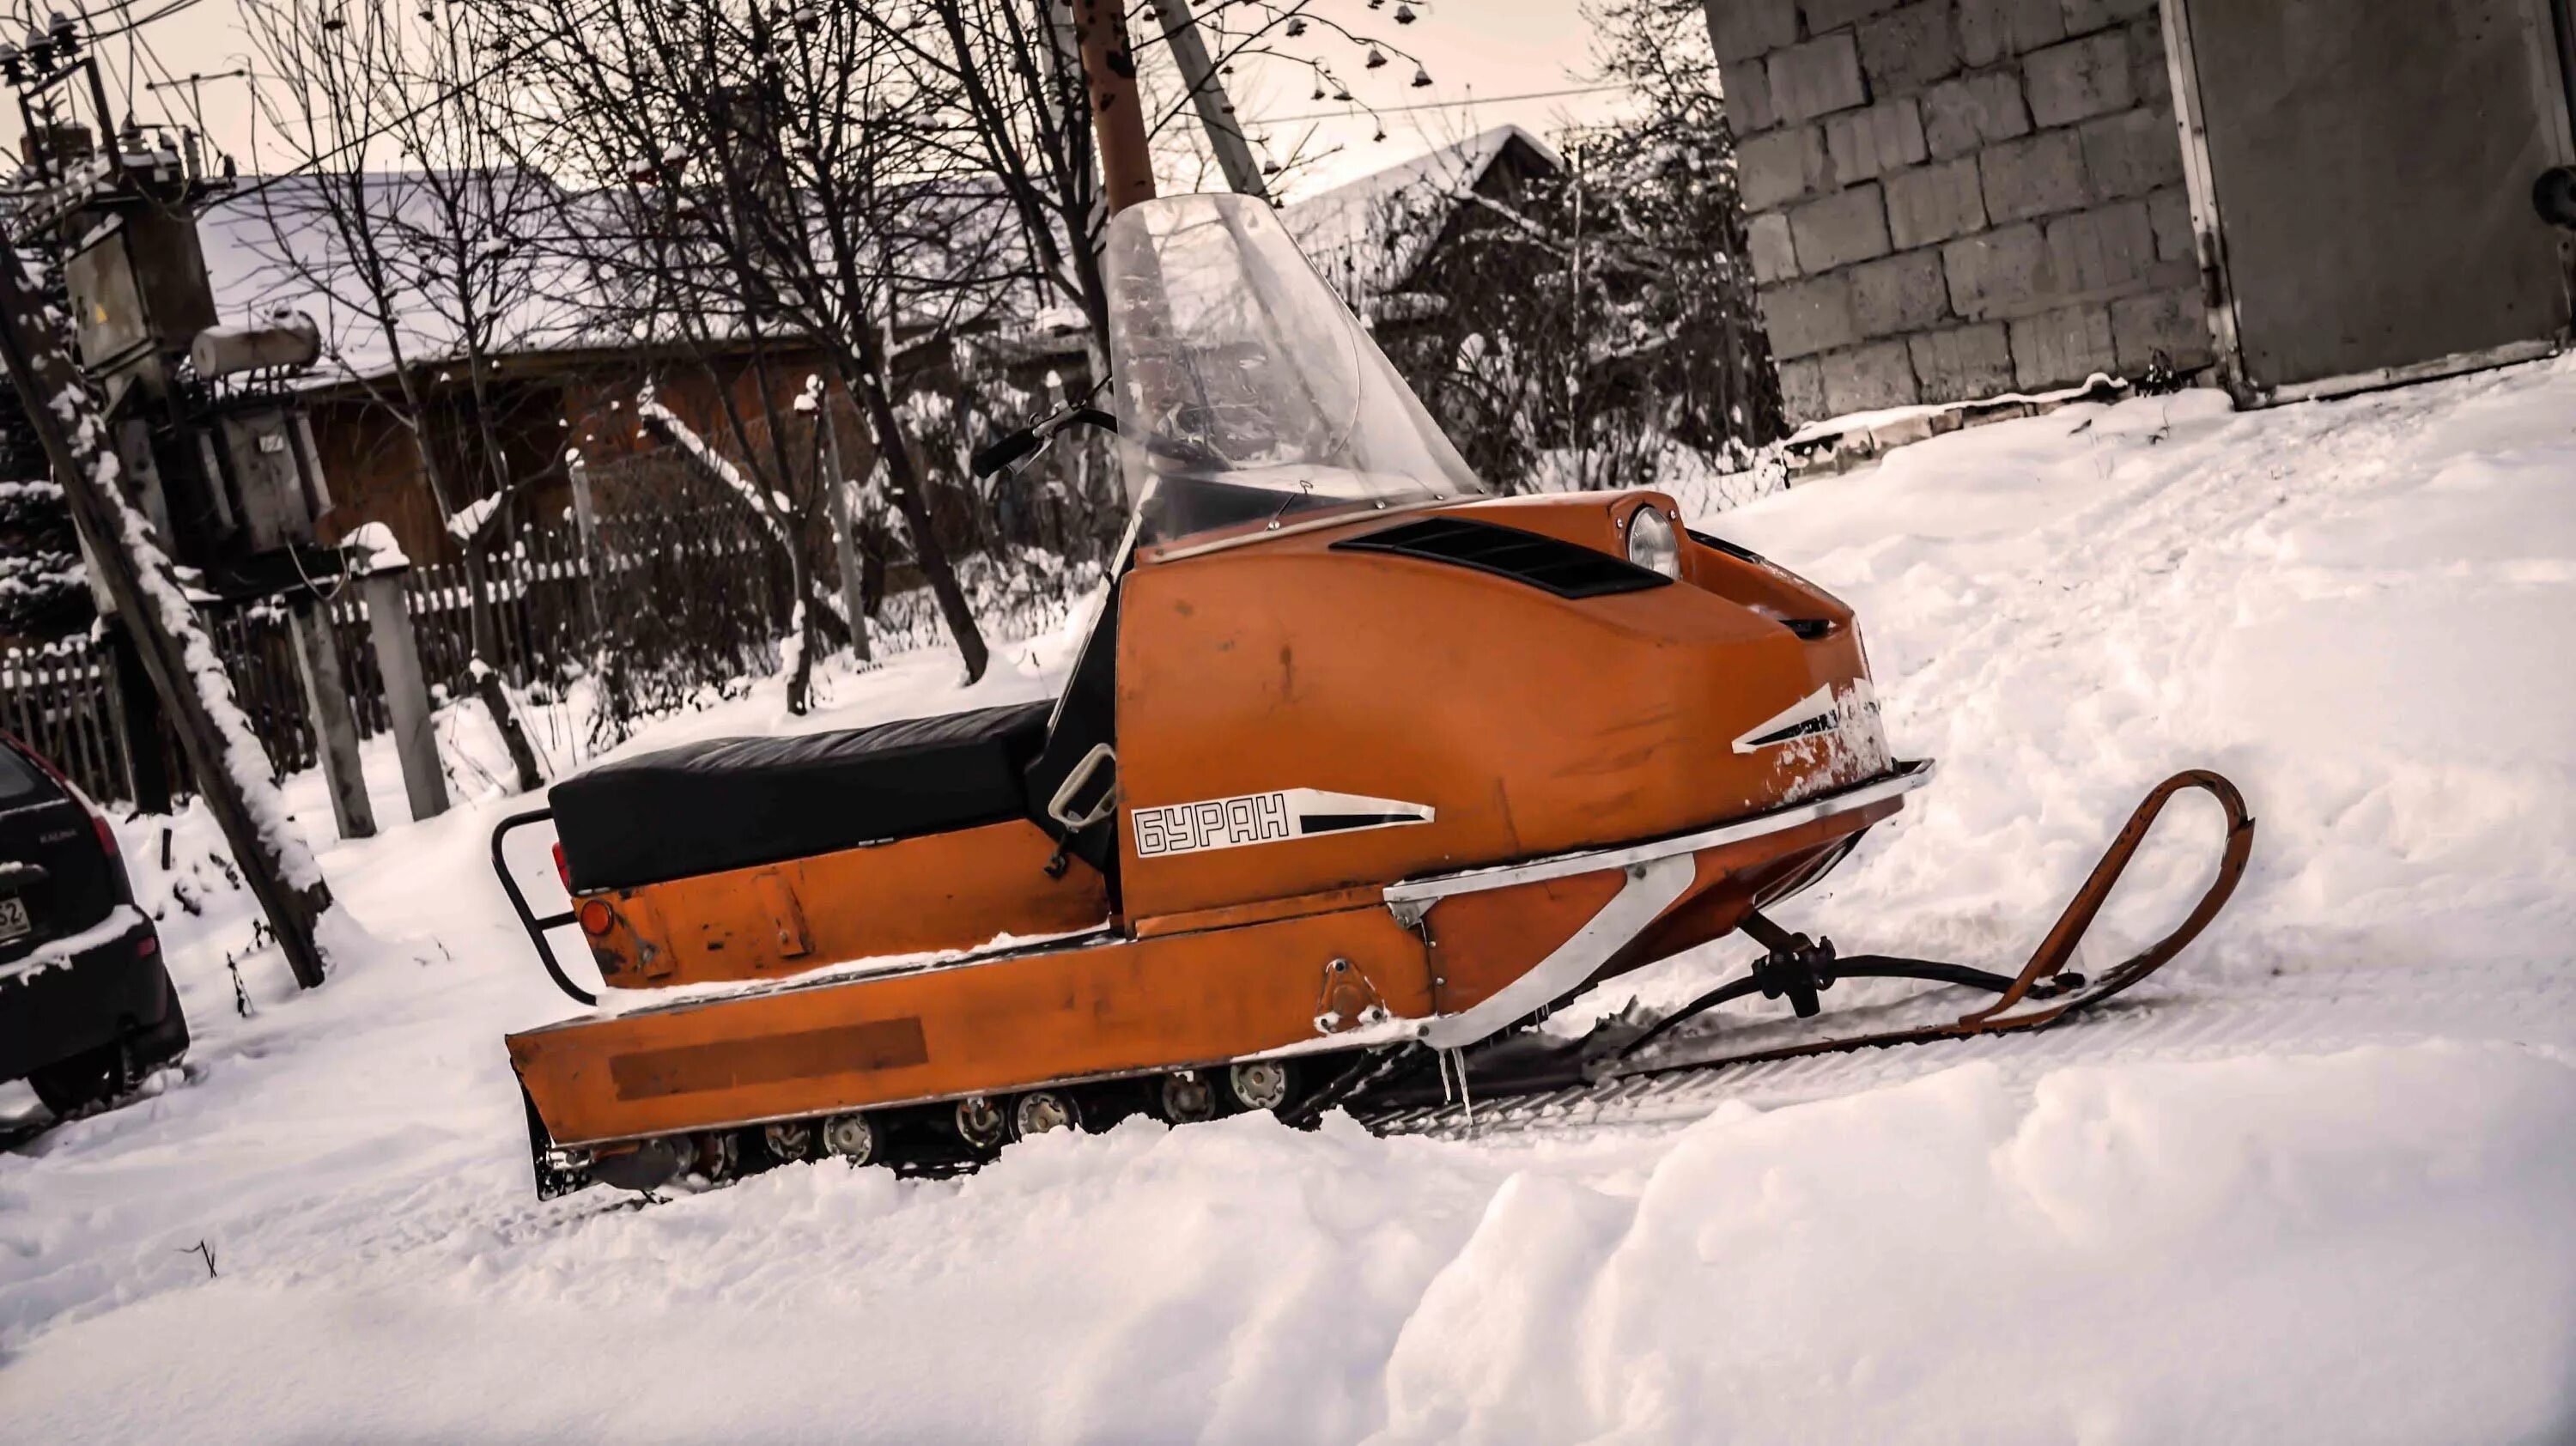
x,y
1360,770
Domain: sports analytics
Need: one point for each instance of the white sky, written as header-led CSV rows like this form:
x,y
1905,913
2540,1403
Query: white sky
x,y
1474,49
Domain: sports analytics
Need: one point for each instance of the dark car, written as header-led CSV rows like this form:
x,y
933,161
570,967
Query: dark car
x,y
86,1006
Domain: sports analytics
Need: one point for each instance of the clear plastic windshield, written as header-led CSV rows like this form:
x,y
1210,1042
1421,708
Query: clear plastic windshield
x,y
1246,390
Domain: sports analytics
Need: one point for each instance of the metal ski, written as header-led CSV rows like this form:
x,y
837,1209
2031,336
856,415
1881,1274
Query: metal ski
x,y
1622,1053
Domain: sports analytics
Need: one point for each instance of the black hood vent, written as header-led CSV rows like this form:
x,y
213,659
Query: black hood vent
x,y
1564,568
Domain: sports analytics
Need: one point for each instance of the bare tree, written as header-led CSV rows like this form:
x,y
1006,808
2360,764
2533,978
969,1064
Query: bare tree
x,y
423,269
769,193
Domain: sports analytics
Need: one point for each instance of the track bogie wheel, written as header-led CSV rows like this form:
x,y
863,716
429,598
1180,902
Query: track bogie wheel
x,y
788,1140
1261,1084
1041,1111
1186,1098
853,1137
980,1123
719,1155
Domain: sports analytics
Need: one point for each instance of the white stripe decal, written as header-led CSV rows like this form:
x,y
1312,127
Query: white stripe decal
x,y
1811,714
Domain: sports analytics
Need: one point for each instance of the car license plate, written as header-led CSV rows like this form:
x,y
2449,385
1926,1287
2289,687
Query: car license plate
x,y
14,922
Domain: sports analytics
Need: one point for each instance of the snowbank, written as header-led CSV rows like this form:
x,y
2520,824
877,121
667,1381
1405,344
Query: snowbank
x,y
2362,1246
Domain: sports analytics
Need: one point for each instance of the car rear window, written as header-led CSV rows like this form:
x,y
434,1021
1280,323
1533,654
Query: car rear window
x,y
20,780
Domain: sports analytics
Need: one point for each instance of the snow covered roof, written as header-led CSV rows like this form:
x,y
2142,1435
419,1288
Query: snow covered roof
x,y
1370,234
275,243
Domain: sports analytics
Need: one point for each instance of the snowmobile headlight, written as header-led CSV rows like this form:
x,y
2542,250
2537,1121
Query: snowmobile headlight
x,y
1651,544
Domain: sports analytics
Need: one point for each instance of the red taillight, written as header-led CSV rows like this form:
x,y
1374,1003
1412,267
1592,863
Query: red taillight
x,y
106,833
596,920
149,946
563,870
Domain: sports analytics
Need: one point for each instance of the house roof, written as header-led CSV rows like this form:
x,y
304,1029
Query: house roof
x,y
1369,235
275,243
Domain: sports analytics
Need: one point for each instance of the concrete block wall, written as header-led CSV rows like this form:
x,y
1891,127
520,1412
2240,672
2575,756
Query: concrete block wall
x,y
1948,199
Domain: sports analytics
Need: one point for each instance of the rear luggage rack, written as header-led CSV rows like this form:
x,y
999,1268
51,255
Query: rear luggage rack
x,y
1567,569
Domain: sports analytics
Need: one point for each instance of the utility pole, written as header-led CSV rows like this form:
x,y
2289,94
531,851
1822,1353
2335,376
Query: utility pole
x,y
210,444
1207,96
225,755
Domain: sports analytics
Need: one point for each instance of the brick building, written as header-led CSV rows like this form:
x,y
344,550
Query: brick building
x,y
1955,198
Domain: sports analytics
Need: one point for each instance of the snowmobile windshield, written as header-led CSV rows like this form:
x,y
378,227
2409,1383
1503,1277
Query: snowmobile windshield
x,y
1246,390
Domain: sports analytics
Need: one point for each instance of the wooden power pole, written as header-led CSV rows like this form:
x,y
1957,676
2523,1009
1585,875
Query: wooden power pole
x,y
175,650
1207,96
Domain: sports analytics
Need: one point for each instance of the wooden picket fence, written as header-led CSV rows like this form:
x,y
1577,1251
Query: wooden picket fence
x,y
664,604
57,700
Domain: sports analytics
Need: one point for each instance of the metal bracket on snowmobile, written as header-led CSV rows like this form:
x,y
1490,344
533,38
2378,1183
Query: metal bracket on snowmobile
x,y
528,919
1658,873
1062,808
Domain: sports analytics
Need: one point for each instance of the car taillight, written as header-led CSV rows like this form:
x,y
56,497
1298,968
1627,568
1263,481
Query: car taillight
x,y
106,833
147,946
563,870
597,920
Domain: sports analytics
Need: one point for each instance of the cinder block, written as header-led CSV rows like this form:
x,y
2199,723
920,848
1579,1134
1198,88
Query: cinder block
x,y
2131,153
1772,170
1806,317
1775,257
1961,363
1824,15
2034,176
2086,77
1974,110
2169,213
2167,323
1908,49
2148,73
1839,229
1802,390
1997,273
1900,293
1867,378
1993,30
1874,140
2083,15
1934,203
1746,92
1742,29
1817,78
2102,249
2061,348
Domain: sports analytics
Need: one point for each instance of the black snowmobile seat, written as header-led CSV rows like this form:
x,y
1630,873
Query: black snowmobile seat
x,y
733,803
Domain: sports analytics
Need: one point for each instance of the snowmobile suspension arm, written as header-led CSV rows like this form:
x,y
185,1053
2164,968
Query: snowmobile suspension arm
x,y
528,919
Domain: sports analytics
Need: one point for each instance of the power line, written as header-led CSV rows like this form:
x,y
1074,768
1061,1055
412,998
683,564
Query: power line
x,y
1356,109
568,30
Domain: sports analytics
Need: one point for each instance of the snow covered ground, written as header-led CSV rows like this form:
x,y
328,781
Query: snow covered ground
x,y
2313,1183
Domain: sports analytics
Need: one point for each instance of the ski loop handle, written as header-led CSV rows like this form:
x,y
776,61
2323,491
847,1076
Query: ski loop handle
x,y
2055,950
